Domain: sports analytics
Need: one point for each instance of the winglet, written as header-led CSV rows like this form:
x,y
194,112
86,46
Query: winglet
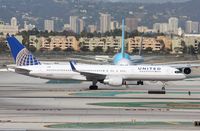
x,y
72,66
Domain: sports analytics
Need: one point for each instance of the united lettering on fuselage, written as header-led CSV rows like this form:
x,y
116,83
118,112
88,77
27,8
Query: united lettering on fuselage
x,y
149,69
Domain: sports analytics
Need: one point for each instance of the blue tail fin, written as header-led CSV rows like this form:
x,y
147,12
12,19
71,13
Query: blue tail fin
x,y
122,54
21,55
141,46
122,46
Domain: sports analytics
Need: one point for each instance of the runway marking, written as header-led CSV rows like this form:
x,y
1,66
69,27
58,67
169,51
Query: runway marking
x,y
174,123
153,105
72,97
120,125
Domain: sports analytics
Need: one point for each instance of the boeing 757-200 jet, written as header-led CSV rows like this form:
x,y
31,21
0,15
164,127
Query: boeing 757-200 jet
x,y
114,75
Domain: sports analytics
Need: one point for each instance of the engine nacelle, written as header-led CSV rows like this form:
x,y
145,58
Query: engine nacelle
x,y
186,70
113,81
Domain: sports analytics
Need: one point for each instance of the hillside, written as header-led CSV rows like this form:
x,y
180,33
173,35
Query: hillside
x,y
35,11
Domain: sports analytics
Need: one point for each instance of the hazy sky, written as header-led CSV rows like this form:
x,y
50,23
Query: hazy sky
x,y
151,1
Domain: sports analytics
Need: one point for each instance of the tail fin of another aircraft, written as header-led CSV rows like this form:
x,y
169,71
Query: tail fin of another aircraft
x,y
123,35
141,46
21,55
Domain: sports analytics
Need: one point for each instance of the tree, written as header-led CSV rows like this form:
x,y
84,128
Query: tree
x,y
3,45
98,49
32,48
148,49
191,50
177,49
110,50
85,49
199,48
69,49
56,49
184,47
117,32
43,49
135,50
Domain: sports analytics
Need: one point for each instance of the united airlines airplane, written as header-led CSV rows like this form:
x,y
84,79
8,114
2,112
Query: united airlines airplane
x,y
114,75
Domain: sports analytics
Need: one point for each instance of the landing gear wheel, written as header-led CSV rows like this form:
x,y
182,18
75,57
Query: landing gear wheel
x,y
140,82
164,84
93,87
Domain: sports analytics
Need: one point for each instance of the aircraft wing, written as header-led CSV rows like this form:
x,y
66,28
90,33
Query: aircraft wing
x,y
88,75
93,76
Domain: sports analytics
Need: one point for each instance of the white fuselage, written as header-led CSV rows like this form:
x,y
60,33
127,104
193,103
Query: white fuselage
x,y
132,72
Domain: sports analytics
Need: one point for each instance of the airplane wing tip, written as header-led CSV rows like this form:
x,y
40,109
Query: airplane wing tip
x,y
72,66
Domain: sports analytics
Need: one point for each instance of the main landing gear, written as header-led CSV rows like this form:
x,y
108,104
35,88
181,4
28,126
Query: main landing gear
x,y
140,82
93,86
163,87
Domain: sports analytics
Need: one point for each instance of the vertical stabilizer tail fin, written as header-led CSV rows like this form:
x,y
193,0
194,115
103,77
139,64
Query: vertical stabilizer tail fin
x,y
141,46
21,55
123,37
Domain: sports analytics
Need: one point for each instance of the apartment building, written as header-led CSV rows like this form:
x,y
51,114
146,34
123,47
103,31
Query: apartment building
x,y
135,43
52,42
104,42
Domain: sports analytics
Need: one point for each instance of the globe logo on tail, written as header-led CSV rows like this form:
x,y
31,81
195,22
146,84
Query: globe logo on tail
x,y
25,58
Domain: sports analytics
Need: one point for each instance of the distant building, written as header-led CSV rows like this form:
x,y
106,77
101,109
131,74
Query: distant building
x,y
156,27
167,41
114,25
92,28
180,31
161,27
73,23
192,39
66,27
104,42
191,27
131,24
76,24
148,42
35,41
142,29
49,25
81,25
49,43
28,27
13,21
173,25
105,21
177,48
11,28
164,28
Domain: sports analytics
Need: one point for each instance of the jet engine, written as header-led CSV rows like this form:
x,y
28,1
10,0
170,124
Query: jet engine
x,y
113,81
186,70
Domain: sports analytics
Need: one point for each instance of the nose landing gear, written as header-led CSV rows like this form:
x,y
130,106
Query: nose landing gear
x,y
140,82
